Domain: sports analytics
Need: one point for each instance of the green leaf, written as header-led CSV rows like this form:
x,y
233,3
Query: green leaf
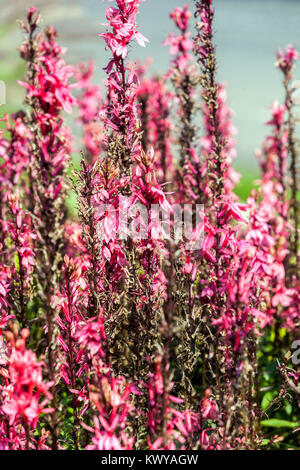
x,y
288,409
17,262
267,399
282,333
279,423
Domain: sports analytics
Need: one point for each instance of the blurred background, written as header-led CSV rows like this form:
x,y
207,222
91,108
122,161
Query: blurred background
x,y
248,34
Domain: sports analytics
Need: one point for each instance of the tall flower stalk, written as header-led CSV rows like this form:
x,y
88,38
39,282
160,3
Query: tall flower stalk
x,y
121,114
285,62
183,79
48,94
204,50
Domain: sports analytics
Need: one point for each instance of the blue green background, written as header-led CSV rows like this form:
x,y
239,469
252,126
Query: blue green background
x,y
248,34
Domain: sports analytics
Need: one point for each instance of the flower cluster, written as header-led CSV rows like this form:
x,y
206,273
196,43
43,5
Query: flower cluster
x,y
122,20
24,396
286,59
112,399
182,44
